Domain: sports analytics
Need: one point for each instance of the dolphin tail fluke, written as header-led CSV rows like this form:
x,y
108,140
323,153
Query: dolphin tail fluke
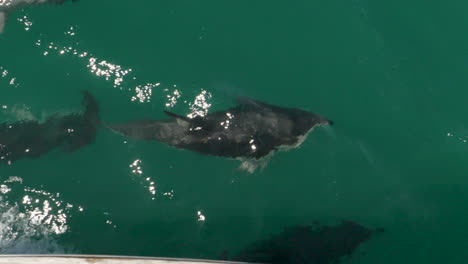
x,y
3,18
91,112
87,124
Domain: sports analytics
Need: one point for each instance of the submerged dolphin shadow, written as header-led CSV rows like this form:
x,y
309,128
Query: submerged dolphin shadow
x,y
317,244
251,131
31,139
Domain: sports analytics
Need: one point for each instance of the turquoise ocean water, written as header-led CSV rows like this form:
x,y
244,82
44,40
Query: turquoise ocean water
x,y
391,74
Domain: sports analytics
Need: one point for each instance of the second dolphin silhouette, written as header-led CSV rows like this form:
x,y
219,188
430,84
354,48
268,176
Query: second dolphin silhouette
x,y
251,130
31,139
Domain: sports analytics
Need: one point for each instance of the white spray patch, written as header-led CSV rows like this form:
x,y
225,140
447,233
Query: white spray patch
x,y
18,237
31,220
21,112
251,165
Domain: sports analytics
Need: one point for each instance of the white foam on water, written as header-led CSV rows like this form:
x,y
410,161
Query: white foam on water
x,y
21,112
32,220
17,236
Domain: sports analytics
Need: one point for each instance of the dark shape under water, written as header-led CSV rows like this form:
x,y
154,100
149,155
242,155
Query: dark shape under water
x,y
250,130
314,244
31,139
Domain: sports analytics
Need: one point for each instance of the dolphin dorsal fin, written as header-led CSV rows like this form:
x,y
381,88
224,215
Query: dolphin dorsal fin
x,y
193,122
176,116
181,120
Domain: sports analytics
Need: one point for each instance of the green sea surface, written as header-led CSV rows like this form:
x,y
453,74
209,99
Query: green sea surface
x,y
392,75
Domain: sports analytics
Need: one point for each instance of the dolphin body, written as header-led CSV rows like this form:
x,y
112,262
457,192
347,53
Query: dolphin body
x,y
7,6
251,130
31,139
317,244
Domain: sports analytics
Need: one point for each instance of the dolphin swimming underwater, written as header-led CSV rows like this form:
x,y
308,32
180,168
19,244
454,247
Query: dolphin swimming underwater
x,y
251,130
7,6
31,139
316,243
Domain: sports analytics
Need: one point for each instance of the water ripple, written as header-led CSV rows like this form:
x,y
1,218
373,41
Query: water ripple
x,y
5,74
136,169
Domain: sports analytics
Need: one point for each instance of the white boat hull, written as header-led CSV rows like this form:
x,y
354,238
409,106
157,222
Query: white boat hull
x,y
99,259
